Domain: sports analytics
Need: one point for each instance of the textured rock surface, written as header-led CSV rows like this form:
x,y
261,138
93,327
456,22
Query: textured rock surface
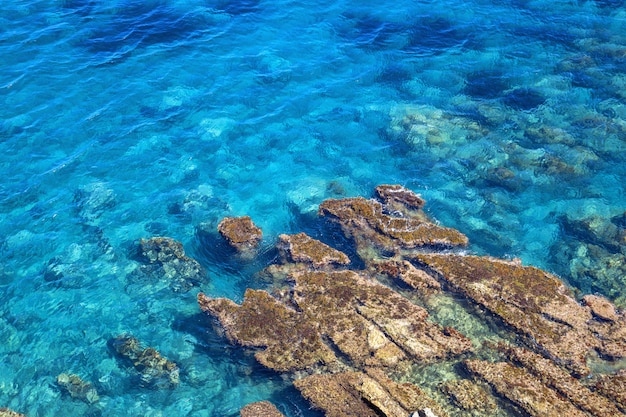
x,y
348,337
534,303
561,381
260,409
77,388
5,412
523,389
469,396
154,370
301,248
369,225
240,232
358,394
165,257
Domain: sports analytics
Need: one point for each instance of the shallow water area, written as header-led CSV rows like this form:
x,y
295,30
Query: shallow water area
x,y
128,120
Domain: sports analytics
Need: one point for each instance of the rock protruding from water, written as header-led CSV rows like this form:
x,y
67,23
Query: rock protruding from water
x,y
77,388
301,248
165,257
389,227
535,304
154,370
347,394
260,409
240,233
355,341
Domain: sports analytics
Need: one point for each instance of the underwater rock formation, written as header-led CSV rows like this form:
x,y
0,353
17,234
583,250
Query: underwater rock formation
x,y
352,340
260,409
165,257
240,232
154,370
77,388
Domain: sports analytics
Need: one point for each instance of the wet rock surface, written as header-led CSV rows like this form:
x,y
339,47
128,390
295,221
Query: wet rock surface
x,y
240,232
153,370
77,388
164,257
260,409
353,340
5,412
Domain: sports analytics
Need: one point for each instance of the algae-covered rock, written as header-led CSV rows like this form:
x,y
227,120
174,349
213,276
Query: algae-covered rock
x,y
561,381
240,232
469,396
614,387
533,302
260,409
365,320
399,197
523,389
300,248
77,388
368,224
358,394
154,370
165,257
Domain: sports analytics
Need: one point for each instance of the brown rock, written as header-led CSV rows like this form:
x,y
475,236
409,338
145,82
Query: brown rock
x,y
531,301
395,195
302,248
408,274
523,389
368,224
357,394
601,307
469,396
614,387
291,341
154,370
561,381
365,320
5,412
240,232
260,409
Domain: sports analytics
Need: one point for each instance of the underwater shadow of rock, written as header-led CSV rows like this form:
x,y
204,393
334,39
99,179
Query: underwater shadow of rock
x,y
139,25
436,35
523,99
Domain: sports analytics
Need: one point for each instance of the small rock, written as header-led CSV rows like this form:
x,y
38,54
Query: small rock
x,y
240,232
260,409
77,388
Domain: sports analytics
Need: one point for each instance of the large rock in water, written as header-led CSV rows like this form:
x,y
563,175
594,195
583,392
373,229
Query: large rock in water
x,y
354,341
240,232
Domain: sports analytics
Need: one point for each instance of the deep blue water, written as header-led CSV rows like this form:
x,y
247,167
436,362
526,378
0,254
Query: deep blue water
x,y
126,119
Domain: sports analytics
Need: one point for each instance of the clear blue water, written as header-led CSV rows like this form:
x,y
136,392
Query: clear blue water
x,y
121,120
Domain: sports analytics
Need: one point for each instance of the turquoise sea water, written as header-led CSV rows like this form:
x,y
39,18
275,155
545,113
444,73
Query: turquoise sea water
x,y
123,120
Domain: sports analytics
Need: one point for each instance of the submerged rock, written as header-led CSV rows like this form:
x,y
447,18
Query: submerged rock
x,y
154,370
469,396
260,409
240,233
165,257
77,388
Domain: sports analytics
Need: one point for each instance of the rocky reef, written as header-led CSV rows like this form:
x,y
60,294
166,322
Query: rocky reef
x,y
77,388
165,258
153,370
358,341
